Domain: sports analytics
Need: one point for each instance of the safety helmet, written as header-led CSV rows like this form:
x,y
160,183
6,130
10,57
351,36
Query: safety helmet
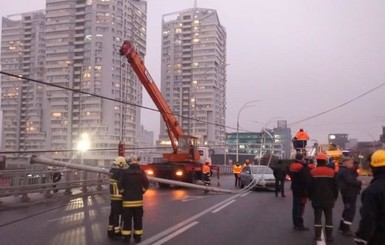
x,y
378,159
120,161
321,156
134,159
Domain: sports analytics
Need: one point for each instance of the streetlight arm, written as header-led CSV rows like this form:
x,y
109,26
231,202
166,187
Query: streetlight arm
x,y
244,106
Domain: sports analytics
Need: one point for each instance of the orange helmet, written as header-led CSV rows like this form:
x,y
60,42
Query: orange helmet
x,y
321,156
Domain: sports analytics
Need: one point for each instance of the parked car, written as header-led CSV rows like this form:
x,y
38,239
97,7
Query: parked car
x,y
263,176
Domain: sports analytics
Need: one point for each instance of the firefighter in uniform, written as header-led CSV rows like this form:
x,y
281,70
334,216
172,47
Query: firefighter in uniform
x,y
371,230
133,184
323,192
114,227
237,168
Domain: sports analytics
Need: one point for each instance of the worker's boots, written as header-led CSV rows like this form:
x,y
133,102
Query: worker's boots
x,y
137,238
329,234
110,233
318,232
345,229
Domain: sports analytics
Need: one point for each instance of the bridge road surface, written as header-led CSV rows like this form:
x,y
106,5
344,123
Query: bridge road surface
x,y
172,216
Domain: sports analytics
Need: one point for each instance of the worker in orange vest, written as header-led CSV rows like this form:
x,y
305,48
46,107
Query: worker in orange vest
x,y
300,140
206,173
237,168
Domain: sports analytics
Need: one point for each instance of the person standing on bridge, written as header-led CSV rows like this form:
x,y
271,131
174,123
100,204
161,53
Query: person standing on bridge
x,y
114,227
133,183
237,168
349,187
299,173
323,192
280,176
371,230
206,173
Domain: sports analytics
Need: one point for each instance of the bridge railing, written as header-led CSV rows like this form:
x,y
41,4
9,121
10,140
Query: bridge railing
x,y
20,183
23,182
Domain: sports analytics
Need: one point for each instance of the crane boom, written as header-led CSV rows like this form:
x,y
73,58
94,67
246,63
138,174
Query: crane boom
x,y
179,140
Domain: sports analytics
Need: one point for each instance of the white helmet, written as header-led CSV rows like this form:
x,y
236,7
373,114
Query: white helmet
x,y
120,161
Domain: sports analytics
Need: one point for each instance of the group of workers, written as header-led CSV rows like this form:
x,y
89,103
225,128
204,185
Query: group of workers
x,y
322,185
237,169
128,183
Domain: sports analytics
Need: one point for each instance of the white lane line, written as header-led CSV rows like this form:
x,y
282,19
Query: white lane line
x,y
322,242
177,232
247,193
164,233
225,205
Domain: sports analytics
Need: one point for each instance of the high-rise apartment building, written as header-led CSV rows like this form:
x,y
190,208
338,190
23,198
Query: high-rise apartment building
x,y
22,102
82,40
193,73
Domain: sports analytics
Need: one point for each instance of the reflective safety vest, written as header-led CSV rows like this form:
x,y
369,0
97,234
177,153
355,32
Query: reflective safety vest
x,y
237,169
206,169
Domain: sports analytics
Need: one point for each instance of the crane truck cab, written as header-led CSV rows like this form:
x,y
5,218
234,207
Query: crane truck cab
x,y
332,151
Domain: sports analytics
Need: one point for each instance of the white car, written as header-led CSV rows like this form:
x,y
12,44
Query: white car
x,y
262,175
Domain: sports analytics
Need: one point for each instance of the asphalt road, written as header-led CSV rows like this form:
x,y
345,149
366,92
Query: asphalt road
x,y
172,216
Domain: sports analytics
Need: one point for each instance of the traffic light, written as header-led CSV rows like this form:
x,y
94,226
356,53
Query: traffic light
x,y
121,149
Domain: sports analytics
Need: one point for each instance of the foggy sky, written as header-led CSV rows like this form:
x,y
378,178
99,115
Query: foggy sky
x,y
299,57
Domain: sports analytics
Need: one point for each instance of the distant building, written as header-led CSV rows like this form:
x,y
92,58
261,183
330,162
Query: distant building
x,y
338,139
23,50
255,145
74,44
193,74
145,147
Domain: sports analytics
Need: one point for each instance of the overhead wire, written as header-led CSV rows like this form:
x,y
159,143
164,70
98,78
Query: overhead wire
x,y
338,106
181,116
106,98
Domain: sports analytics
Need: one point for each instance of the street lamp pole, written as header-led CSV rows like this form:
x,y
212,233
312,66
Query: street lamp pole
x,y
244,106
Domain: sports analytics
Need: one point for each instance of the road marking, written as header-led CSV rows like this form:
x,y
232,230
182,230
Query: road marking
x,y
322,242
191,198
225,205
164,233
177,232
247,193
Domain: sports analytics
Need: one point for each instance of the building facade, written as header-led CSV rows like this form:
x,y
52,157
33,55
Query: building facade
x,y
276,141
82,40
22,102
193,74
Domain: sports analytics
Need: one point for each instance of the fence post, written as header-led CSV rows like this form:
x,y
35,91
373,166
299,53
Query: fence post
x,y
68,185
23,182
84,183
100,181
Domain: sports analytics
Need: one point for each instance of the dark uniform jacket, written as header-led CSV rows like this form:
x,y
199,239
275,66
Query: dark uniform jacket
x,y
279,172
322,187
372,223
115,173
299,173
133,183
348,183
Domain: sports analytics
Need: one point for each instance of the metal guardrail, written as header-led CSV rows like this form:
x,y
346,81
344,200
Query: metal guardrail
x,y
22,182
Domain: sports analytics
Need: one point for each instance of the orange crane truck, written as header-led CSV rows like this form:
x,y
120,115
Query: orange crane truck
x,y
184,163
